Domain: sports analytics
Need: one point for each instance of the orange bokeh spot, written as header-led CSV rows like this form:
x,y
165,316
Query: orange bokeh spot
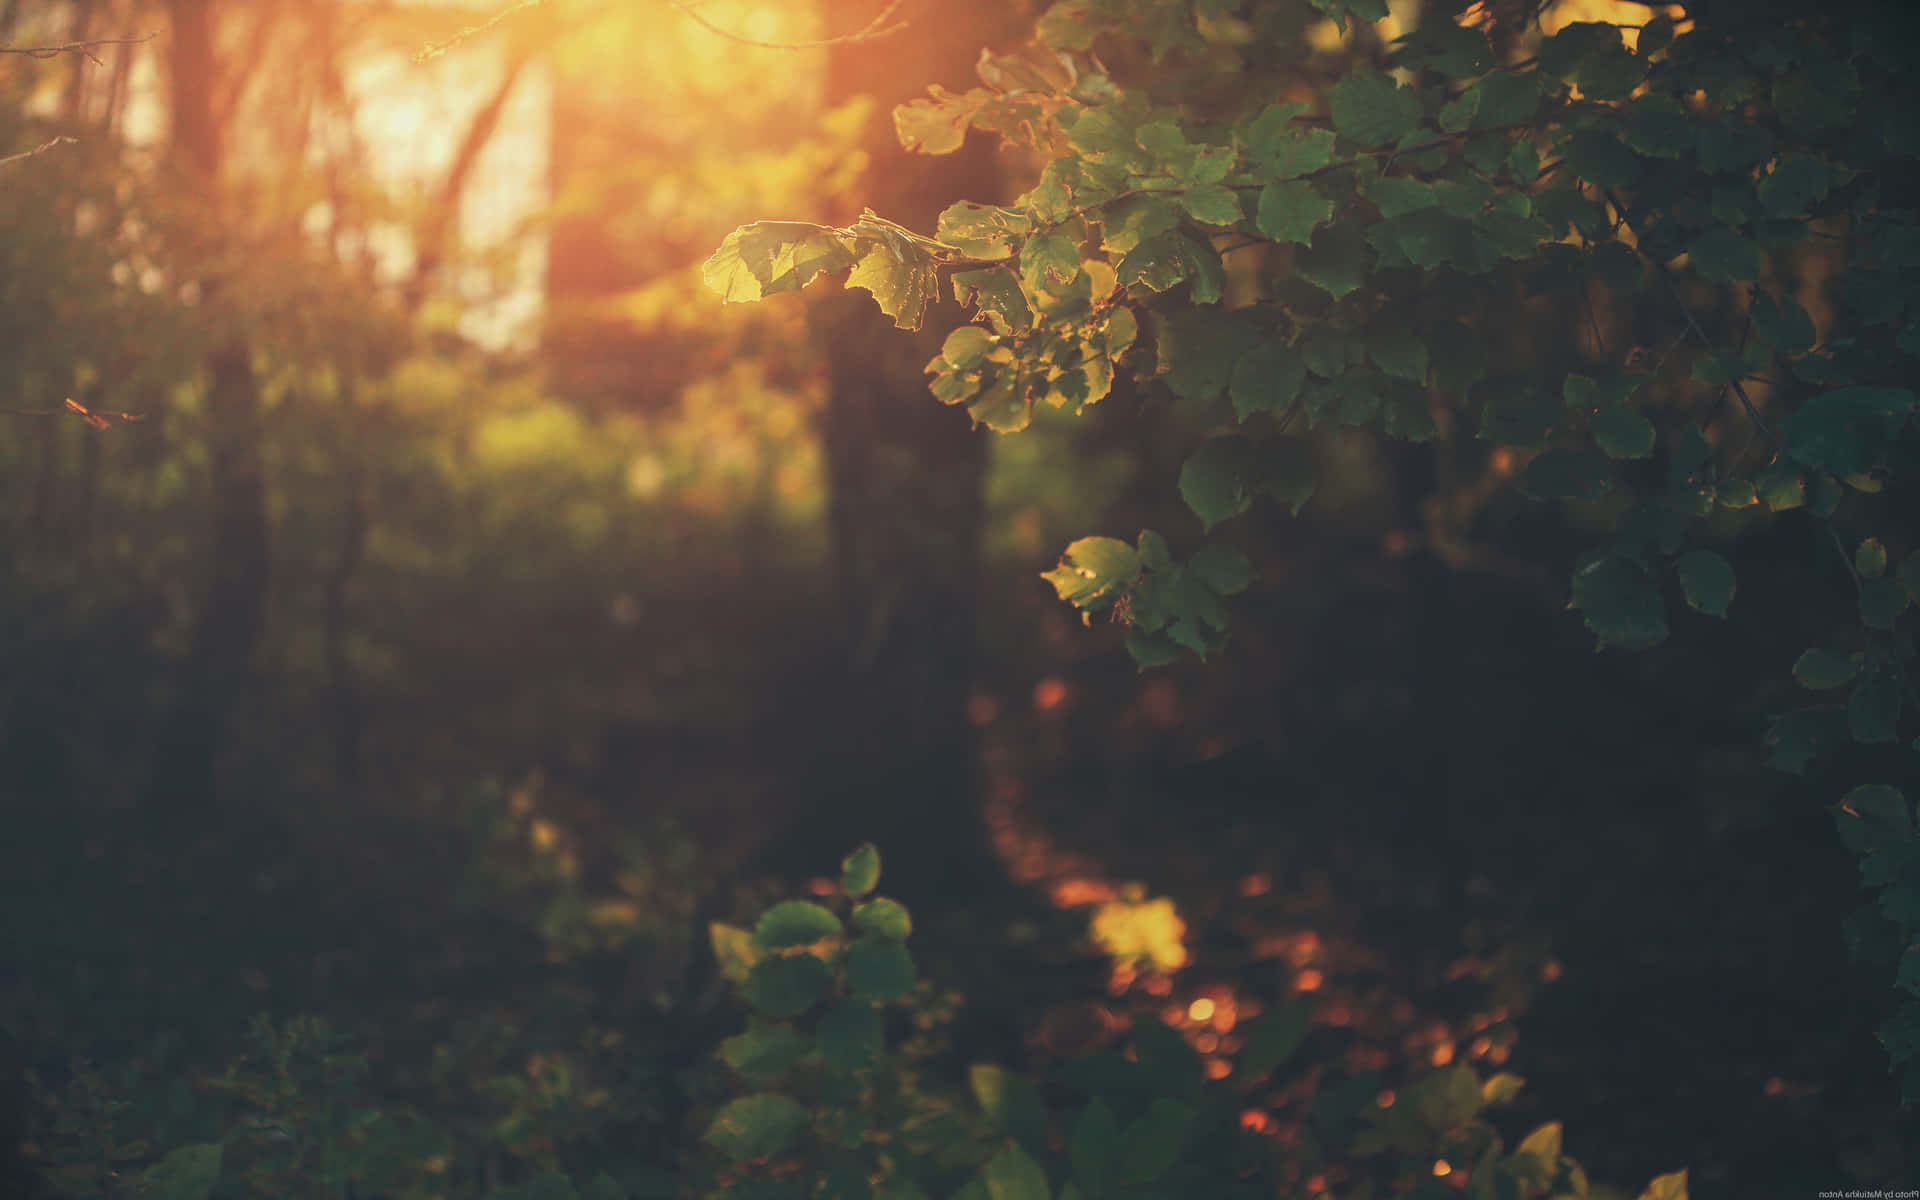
x,y
982,709
1255,1119
1552,970
1309,980
1159,985
1316,1183
1070,893
1218,1068
1207,1043
1442,1168
821,886
1480,1047
1501,461
1201,1010
1050,693
1442,1054
1258,884
1386,1098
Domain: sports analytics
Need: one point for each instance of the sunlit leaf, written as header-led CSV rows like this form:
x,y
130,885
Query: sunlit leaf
x,y
794,923
884,918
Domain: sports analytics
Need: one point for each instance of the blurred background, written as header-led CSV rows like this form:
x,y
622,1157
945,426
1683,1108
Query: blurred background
x,y
426,606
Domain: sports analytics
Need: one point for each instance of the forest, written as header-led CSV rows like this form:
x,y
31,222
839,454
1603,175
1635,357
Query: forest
x,y
1306,599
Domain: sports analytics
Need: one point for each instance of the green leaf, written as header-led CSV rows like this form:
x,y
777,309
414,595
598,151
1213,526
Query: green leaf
x,y
1706,579
1399,354
884,918
1049,262
1446,1099
774,256
1094,1148
901,278
1721,255
1796,183
1781,487
1873,710
1266,378
1272,1041
1819,669
983,230
794,923
1221,569
1214,480
1094,571
1501,1088
879,969
1336,262
1839,430
734,950
1782,323
1564,473
1870,559
1881,603
1622,432
1012,1104
1001,407
1013,1175
186,1173
1211,205
996,292
1873,812
1507,98
787,985
761,1126
1160,262
1543,1143
1371,107
1199,350
1290,211
860,871
852,1035
1152,1144
1620,601
766,1051
938,125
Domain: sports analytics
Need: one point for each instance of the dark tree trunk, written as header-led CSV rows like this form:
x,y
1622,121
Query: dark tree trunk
x,y
238,549
894,761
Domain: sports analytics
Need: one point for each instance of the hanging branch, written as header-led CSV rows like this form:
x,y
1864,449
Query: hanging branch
x,y
42,148
83,49
876,28
434,50
98,418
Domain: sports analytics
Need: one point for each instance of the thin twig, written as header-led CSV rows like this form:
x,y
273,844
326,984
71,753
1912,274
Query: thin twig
x,y
876,28
83,49
42,148
434,50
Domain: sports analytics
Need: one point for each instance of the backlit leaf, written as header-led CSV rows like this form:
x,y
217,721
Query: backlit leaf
x,y
884,918
766,1051
860,870
1290,211
1094,571
760,1126
1013,1175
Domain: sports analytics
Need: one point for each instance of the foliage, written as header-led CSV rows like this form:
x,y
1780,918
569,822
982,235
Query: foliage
x,y
836,1112
1289,267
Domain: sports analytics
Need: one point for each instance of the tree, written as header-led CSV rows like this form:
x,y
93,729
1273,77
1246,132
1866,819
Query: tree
x,y
1291,261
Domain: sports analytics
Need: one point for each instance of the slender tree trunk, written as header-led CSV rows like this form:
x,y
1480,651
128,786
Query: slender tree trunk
x,y
239,541
905,474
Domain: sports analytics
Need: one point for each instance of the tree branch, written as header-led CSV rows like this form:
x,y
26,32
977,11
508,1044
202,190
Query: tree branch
x,y
876,28
42,148
83,49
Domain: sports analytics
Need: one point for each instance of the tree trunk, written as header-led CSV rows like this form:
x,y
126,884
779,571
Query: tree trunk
x,y
215,673
894,763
